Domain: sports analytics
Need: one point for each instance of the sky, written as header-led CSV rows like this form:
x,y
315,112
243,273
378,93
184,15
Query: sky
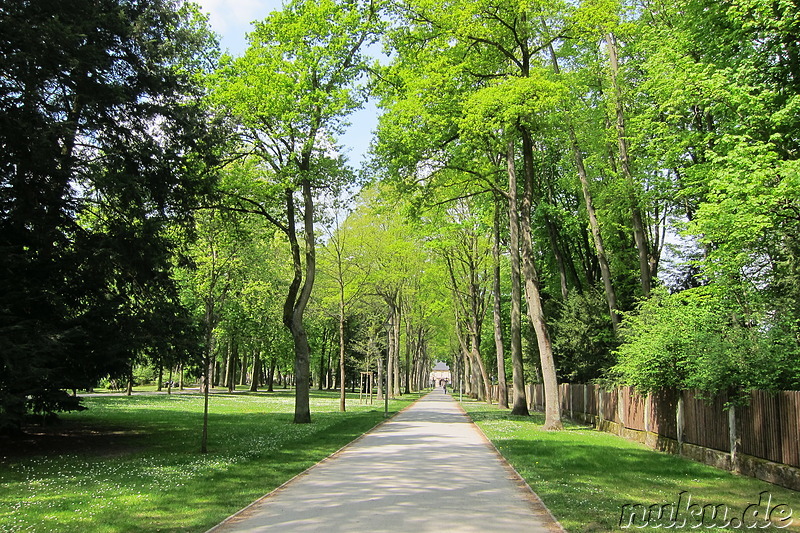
x,y
231,20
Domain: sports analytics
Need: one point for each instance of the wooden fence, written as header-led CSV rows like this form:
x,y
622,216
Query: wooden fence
x,y
740,438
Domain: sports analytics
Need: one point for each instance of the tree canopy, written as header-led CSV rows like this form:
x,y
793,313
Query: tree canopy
x,y
557,191
105,150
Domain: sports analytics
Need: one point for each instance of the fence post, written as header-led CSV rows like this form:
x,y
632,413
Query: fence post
x,y
647,409
679,419
622,404
734,439
585,401
569,399
600,403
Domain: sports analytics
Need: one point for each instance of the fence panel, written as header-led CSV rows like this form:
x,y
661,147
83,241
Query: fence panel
x,y
789,403
577,395
706,421
634,409
609,401
663,413
538,397
756,426
563,397
769,426
591,400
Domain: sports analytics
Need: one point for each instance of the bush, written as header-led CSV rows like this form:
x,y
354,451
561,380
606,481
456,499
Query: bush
x,y
698,339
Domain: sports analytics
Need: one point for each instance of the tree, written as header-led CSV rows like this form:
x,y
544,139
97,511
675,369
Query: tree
x,y
105,150
290,93
349,272
459,240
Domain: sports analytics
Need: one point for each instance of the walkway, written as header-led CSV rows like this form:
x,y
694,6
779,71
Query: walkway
x,y
427,469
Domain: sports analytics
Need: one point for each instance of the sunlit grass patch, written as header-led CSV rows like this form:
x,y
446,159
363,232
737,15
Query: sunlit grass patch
x,y
586,476
136,466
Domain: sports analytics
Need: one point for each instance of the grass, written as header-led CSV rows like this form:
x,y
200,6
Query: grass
x,y
133,463
586,476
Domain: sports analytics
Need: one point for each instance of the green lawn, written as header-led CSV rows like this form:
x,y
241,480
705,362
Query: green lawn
x,y
133,463
585,476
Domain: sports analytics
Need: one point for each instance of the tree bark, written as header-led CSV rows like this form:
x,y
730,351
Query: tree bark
x,y
409,348
208,351
594,225
232,363
322,357
256,381
271,375
520,405
297,299
533,294
396,355
639,234
342,394
243,370
497,319
129,388
481,368
555,247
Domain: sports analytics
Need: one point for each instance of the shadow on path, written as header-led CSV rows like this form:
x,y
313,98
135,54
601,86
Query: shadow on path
x,y
427,469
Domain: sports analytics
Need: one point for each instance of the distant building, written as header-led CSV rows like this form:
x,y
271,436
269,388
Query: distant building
x,y
440,374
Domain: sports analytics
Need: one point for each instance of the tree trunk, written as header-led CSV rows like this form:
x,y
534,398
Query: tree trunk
x,y
381,367
594,225
533,295
322,357
409,346
209,350
206,388
256,381
497,319
520,406
229,366
129,389
481,370
389,359
639,234
396,354
271,375
469,382
555,247
297,299
243,370
342,394
215,371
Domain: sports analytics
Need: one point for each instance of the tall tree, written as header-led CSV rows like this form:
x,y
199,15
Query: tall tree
x,y
104,147
290,92
341,262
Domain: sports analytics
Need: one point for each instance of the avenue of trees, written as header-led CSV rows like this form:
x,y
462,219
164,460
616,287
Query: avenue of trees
x,y
603,190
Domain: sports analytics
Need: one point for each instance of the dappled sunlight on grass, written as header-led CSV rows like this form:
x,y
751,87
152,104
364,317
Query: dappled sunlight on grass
x,y
150,475
586,476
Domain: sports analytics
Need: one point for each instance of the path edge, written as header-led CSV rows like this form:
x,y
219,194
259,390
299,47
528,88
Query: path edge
x,y
529,493
219,527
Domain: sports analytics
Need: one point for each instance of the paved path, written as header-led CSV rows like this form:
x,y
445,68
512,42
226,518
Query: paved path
x,y
427,469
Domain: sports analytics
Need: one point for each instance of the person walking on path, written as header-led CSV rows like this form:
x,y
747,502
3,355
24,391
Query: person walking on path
x,y
427,466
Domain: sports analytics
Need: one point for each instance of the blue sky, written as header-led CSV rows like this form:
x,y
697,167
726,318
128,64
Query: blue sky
x,y
232,19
